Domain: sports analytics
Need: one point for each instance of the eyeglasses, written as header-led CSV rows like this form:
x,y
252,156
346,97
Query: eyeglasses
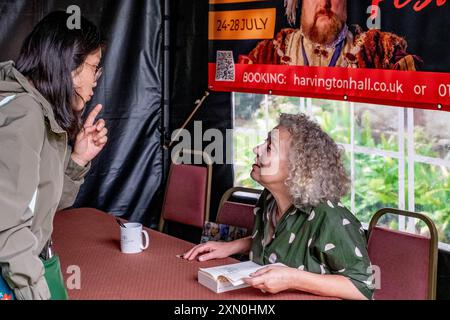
x,y
98,71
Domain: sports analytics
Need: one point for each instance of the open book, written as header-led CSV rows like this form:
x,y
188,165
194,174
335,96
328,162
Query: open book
x,y
229,277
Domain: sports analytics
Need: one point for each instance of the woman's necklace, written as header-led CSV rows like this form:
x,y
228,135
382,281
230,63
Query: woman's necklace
x,y
334,59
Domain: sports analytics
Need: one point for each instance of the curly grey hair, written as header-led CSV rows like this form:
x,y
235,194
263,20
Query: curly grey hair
x,y
316,170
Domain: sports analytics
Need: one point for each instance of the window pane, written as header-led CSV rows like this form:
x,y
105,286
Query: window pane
x,y
376,186
245,139
255,116
334,118
376,126
250,130
432,133
280,104
432,192
347,200
246,107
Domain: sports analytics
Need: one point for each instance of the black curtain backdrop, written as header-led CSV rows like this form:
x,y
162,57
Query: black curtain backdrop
x,y
126,178
189,81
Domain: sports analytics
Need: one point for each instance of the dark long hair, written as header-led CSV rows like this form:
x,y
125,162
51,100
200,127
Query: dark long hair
x,y
49,55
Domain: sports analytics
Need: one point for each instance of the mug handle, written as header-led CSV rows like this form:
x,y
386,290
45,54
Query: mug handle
x,y
147,240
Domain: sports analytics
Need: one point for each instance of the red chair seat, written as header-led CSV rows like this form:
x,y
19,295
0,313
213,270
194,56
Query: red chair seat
x,y
186,194
407,263
403,262
237,214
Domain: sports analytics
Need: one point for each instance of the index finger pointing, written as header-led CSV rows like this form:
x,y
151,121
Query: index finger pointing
x,y
91,117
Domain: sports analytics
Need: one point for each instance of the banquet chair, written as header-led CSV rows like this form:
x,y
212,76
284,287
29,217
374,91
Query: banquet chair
x,y
235,213
407,262
188,192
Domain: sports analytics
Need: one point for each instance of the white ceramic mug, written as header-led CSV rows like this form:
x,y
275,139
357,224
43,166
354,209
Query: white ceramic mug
x,y
131,240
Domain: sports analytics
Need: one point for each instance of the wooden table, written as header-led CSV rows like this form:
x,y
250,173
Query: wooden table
x,y
90,239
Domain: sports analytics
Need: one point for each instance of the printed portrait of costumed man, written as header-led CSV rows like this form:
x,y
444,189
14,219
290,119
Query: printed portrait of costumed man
x,y
325,39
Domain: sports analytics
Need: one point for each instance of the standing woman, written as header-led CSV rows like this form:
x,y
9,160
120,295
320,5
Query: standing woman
x,y
45,149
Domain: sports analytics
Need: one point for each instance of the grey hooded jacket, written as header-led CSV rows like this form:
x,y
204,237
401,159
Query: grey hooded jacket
x,y
37,178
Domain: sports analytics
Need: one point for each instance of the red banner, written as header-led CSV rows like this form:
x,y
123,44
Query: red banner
x,y
383,52
426,90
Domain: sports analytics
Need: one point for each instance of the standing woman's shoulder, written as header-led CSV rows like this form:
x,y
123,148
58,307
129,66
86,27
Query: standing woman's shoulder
x,y
19,108
21,116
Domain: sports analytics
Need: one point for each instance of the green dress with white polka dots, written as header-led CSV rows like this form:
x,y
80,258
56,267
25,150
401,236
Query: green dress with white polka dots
x,y
325,239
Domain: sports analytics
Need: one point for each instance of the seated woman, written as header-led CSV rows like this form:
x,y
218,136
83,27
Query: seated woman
x,y
299,219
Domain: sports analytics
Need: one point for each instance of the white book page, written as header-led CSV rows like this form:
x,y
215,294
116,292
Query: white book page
x,y
235,272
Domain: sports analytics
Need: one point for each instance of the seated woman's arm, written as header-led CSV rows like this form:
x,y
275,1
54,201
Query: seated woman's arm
x,y
278,279
327,285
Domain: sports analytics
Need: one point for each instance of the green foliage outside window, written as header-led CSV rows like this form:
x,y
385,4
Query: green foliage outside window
x,y
376,177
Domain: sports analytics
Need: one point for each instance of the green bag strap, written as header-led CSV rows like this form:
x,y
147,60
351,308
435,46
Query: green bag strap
x,y
55,279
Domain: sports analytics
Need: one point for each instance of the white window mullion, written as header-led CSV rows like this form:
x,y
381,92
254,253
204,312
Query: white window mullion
x,y
309,107
233,148
411,155
401,167
266,113
432,161
303,105
371,151
352,156
233,104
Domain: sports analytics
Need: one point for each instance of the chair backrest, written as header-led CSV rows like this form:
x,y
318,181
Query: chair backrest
x,y
407,262
237,214
188,193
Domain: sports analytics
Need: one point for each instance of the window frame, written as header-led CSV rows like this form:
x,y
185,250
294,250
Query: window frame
x,y
406,154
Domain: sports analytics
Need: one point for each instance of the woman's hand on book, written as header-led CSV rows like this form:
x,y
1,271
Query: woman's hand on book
x,y
209,251
273,279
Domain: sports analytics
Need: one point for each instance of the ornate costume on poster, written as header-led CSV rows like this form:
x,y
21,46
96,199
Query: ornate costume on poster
x,y
324,39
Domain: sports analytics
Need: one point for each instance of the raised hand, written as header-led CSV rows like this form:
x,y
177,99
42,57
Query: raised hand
x,y
91,139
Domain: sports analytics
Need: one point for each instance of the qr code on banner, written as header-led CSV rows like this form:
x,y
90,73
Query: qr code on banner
x,y
225,69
